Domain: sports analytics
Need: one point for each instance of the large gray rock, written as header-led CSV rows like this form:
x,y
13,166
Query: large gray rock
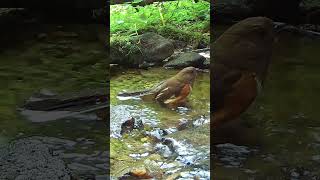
x,y
29,159
187,59
155,48
148,49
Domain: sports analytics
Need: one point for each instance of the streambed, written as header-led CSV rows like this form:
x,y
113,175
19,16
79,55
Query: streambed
x,y
162,147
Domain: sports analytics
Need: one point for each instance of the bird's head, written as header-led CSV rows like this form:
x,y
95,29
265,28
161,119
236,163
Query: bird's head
x,y
247,45
187,75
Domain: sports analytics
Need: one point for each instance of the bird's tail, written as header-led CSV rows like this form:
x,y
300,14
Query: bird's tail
x,y
143,94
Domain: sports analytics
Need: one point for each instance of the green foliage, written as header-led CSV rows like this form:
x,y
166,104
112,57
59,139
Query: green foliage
x,y
124,44
184,18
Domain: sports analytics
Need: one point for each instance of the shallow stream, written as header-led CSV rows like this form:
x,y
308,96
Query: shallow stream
x,y
164,147
279,136
60,59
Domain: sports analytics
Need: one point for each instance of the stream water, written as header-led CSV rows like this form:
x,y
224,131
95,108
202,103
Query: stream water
x,y
162,147
62,59
279,136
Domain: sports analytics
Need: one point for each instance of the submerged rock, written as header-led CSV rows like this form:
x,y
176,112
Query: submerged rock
x,y
232,155
31,159
47,106
130,124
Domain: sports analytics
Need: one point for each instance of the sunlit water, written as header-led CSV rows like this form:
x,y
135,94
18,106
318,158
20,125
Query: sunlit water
x,y
279,137
189,153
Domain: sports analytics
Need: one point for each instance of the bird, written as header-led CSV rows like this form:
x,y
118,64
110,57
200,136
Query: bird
x,y
171,92
241,56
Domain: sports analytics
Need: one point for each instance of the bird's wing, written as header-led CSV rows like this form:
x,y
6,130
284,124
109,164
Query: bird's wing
x,y
185,91
165,94
223,80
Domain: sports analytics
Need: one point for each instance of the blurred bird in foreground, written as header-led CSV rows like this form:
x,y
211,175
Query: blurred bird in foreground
x,y
171,92
241,58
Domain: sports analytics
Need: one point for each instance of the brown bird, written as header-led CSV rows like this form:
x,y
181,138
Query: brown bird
x,y
241,58
171,92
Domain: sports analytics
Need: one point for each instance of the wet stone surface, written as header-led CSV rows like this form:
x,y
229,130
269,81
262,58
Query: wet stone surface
x,y
231,155
51,158
94,163
31,159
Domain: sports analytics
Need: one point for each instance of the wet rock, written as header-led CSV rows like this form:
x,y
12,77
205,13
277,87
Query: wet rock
x,y
102,166
31,159
102,177
157,133
74,156
146,50
232,155
186,59
56,143
297,173
155,47
184,124
187,154
127,126
121,113
82,167
131,124
46,106
163,150
179,44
